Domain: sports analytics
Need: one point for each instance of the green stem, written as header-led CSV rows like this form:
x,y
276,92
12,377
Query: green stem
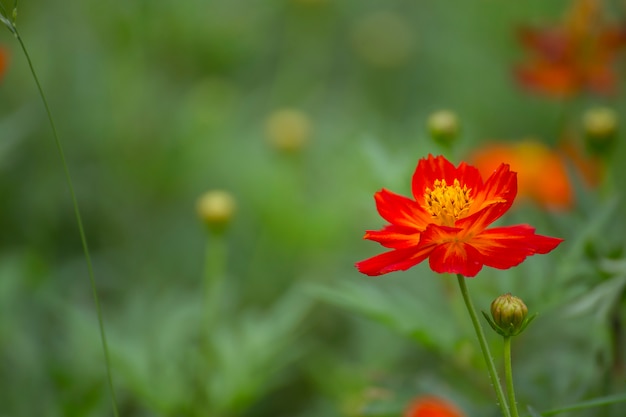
x,y
213,277
508,375
79,220
214,270
491,368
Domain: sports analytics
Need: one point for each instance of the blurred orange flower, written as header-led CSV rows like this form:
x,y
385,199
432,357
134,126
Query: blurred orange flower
x,y
541,172
4,61
578,54
431,406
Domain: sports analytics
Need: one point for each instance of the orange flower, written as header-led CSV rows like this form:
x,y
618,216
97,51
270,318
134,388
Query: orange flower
x,y
574,56
541,172
447,220
430,406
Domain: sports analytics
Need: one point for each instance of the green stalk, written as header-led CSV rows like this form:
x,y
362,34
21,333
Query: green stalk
x,y
491,368
214,270
508,376
79,221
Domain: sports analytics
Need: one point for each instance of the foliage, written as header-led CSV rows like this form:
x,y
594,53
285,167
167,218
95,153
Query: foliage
x,y
159,101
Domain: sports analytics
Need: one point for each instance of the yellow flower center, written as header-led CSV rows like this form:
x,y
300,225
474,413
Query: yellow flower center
x,y
447,203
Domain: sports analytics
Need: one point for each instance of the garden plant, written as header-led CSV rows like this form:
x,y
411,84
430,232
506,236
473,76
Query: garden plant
x,y
185,186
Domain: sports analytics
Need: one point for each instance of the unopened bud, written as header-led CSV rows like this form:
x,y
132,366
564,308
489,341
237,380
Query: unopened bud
x,y
600,125
216,209
288,130
443,127
508,315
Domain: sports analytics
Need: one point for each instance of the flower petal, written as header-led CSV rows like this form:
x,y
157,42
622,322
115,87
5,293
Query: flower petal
x,y
396,237
501,186
439,168
542,174
477,222
395,260
401,211
505,247
427,172
552,44
4,62
431,406
456,258
611,39
450,254
601,78
491,202
554,79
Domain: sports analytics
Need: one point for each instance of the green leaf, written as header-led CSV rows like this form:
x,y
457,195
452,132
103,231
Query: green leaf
x,y
423,318
599,300
596,402
251,350
533,413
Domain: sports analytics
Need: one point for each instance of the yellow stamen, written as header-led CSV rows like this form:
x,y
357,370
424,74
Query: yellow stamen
x,y
447,203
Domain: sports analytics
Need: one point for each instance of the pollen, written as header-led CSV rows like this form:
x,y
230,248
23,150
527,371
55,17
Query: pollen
x,y
447,203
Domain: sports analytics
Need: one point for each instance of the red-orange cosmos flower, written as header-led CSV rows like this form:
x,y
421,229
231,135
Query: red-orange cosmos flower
x,y
575,55
430,406
447,220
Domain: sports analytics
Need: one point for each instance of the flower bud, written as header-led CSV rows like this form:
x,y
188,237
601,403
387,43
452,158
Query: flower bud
x,y
509,315
215,209
600,126
443,127
288,130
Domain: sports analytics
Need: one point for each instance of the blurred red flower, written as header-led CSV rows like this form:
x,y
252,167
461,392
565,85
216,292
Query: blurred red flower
x,y
446,222
541,172
430,406
4,61
578,54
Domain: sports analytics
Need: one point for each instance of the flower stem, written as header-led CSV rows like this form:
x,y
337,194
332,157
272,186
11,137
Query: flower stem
x,y
491,368
79,220
508,375
214,270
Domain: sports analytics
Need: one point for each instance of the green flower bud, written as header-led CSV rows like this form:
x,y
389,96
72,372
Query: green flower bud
x,y
216,209
600,126
508,311
443,127
508,315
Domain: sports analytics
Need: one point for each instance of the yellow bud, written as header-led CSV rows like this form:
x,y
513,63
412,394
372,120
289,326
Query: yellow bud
x,y
443,126
216,209
288,129
600,126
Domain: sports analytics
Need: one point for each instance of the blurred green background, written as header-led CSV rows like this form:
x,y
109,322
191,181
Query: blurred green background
x,y
158,101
